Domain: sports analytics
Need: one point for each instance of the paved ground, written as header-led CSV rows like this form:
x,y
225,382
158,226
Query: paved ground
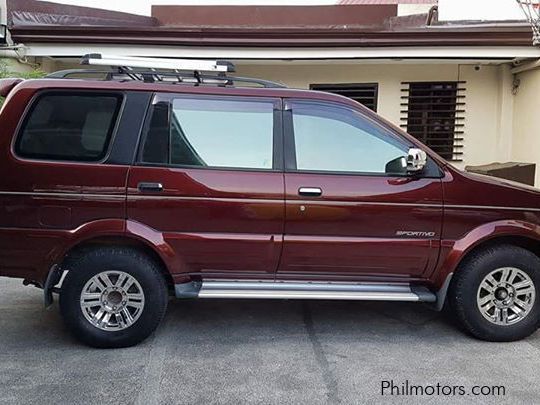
x,y
268,352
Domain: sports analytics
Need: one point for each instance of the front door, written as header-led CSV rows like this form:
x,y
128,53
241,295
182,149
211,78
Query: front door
x,y
352,212
210,181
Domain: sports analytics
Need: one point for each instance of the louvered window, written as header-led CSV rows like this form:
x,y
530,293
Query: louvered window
x,y
364,93
433,112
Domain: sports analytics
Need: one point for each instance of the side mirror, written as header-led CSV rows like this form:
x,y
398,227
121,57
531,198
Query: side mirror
x,y
416,160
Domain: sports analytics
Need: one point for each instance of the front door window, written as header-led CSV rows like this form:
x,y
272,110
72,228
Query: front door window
x,y
330,138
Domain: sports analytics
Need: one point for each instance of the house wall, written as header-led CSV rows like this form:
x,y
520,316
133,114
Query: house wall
x,y
526,125
411,9
14,66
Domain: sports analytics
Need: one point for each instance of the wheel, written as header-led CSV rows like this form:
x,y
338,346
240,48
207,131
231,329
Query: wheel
x,y
494,293
113,297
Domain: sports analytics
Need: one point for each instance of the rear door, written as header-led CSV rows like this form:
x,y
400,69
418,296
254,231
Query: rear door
x,y
209,178
351,210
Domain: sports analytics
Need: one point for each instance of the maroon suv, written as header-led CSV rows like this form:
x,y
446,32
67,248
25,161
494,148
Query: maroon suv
x,y
120,192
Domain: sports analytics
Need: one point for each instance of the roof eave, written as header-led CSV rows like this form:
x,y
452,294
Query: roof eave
x,y
514,35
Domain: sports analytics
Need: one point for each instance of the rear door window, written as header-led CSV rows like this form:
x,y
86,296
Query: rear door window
x,y
212,133
72,127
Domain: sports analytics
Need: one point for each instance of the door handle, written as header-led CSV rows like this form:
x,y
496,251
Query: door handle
x,y
310,191
150,187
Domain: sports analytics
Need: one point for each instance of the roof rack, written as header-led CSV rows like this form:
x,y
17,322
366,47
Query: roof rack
x,y
156,63
156,70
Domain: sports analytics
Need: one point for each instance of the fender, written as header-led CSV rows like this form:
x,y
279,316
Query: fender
x,y
65,240
155,240
112,228
452,252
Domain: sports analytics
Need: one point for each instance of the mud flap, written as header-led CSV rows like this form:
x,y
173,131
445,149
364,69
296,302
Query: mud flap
x,y
53,278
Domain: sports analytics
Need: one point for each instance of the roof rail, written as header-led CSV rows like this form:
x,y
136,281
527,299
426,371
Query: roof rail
x,y
152,70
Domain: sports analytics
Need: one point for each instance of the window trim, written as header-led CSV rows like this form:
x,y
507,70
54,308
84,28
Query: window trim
x,y
432,169
117,117
277,133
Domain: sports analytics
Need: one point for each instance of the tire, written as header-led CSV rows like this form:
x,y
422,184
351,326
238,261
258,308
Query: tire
x,y
479,290
135,284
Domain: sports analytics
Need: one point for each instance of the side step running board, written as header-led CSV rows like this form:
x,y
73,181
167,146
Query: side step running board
x,y
300,290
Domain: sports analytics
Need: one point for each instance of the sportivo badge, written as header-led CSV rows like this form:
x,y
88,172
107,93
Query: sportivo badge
x,y
415,234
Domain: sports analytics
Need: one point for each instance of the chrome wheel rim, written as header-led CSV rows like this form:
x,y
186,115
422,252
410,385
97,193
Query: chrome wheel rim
x,y
506,296
112,300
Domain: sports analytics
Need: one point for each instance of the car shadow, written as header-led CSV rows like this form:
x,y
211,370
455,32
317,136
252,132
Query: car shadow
x,y
243,320
28,324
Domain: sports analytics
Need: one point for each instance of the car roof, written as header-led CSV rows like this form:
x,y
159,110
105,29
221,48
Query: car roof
x,y
132,85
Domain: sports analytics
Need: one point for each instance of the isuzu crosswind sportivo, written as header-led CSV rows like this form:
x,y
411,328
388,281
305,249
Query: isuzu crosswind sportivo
x,y
136,179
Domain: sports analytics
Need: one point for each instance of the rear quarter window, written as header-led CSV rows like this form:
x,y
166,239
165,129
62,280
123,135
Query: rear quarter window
x,y
69,126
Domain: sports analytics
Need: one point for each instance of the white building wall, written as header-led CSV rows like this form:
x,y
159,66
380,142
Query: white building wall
x,y
410,9
486,121
481,10
3,12
526,125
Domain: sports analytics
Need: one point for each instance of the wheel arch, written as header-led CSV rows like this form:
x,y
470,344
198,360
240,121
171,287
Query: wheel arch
x,y
511,232
118,232
525,242
115,240
445,278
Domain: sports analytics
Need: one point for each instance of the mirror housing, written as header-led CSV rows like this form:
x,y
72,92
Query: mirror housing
x,y
416,160
397,166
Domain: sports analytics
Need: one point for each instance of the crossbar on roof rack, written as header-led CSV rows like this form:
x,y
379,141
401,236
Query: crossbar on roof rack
x,y
98,59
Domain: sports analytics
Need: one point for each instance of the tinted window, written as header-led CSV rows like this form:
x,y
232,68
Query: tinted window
x,y
212,133
156,145
69,127
335,139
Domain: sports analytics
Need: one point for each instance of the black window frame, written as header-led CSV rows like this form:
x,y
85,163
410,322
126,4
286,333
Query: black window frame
x,y
168,99
342,89
431,170
109,141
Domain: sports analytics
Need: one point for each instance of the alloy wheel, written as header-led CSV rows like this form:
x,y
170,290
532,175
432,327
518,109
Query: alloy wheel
x,y
112,300
506,296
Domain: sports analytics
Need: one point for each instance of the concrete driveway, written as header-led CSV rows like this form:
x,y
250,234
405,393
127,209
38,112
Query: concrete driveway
x,y
267,352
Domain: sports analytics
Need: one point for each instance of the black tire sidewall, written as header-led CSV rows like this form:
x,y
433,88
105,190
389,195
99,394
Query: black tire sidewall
x,y
144,270
465,292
